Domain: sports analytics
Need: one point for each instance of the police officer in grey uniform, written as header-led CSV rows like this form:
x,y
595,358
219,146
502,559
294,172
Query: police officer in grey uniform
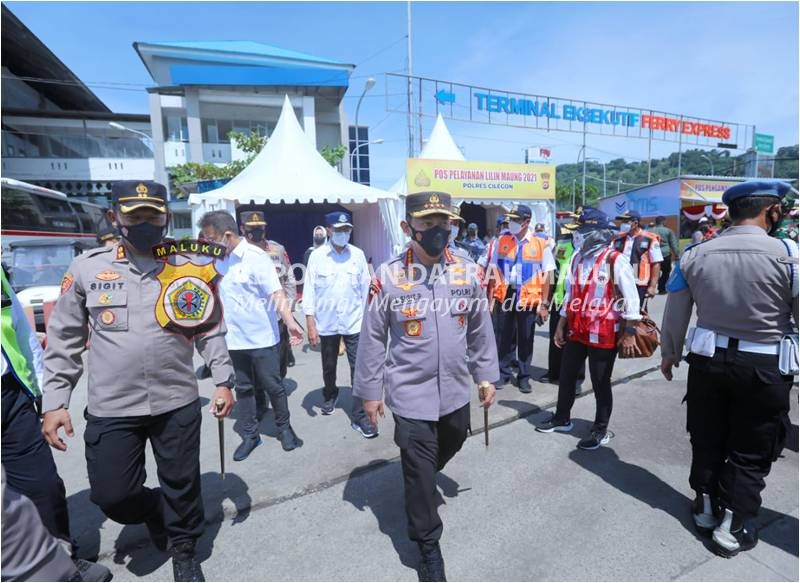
x,y
435,353
141,384
254,226
744,283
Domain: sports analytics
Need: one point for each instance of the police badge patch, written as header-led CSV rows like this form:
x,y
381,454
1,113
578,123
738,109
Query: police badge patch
x,y
66,283
413,328
188,304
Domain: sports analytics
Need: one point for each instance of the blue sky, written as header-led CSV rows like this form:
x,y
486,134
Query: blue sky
x,y
734,61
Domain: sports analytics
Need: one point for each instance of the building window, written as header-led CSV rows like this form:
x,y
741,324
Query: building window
x,y
359,160
176,128
181,221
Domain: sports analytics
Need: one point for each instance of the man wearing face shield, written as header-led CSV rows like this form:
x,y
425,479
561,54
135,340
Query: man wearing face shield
x,y
336,288
745,286
254,228
141,383
437,351
592,317
520,275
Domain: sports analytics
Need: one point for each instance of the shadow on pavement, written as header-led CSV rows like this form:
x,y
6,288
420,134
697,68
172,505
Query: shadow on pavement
x,y
134,541
645,486
311,401
382,494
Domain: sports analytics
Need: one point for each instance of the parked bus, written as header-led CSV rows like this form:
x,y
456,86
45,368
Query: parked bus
x,y
35,212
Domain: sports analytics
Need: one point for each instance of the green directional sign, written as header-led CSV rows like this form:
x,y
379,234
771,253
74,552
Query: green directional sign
x,y
764,143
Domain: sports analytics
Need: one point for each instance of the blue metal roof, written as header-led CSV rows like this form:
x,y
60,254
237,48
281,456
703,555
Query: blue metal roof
x,y
244,47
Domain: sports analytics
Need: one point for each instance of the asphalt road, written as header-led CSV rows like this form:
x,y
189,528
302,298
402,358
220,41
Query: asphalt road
x,y
530,507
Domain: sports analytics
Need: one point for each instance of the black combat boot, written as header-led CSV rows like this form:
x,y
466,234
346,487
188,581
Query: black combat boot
x,y
185,566
431,564
732,537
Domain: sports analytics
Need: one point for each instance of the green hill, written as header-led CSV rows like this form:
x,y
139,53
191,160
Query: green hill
x,y
624,175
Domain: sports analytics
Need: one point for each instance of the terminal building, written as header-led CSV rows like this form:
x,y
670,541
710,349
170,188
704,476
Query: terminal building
x,y
56,132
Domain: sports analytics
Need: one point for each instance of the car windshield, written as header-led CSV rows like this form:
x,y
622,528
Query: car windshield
x,y
46,265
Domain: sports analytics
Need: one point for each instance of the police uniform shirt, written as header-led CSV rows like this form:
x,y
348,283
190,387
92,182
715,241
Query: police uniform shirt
x,y
435,357
248,282
280,257
135,366
654,252
744,284
336,288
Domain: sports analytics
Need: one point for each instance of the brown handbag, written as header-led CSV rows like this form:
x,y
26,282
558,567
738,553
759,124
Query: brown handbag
x,y
646,333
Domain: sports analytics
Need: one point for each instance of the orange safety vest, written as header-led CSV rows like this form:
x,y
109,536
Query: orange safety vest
x,y
640,252
592,313
530,292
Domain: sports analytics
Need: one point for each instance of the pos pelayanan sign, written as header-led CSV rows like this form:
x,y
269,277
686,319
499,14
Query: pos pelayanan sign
x,y
482,180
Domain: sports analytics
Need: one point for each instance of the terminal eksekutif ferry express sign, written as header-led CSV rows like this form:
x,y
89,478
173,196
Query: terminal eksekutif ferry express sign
x,y
477,104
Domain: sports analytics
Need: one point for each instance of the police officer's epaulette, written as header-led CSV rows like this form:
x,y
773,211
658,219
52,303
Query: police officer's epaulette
x,y
94,252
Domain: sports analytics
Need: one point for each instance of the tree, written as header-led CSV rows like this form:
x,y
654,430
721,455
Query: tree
x,y
334,154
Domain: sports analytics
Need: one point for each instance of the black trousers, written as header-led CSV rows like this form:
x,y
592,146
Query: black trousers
x,y
737,418
284,349
510,319
28,460
601,366
425,448
554,352
115,449
258,370
666,269
329,350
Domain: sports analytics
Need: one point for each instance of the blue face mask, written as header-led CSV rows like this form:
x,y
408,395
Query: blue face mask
x,y
541,235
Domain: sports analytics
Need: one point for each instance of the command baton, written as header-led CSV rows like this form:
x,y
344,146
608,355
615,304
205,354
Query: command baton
x,y
220,404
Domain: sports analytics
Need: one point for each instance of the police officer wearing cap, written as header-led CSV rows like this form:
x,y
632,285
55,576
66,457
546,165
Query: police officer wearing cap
x,y
428,307
141,383
519,281
254,228
744,284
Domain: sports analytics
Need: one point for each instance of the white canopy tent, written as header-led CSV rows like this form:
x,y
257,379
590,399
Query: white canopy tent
x,y
442,146
290,170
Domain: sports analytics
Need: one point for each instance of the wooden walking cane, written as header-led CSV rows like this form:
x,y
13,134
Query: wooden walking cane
x,y
220,405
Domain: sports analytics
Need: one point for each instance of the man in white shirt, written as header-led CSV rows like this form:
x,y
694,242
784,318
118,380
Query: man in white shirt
x,y
252,298
335,292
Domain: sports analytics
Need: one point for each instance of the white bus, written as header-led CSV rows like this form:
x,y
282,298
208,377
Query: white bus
x,y
35,212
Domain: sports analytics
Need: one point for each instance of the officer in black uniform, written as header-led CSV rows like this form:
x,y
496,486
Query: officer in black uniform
x,y
744,284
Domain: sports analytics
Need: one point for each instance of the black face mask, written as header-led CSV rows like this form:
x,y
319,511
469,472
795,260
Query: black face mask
x,y
319,241
257,235
143,236
433,241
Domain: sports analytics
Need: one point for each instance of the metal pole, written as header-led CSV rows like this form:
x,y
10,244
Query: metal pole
x,y
367,86
410,83
419,116
649,152
573,194
583,187
680,146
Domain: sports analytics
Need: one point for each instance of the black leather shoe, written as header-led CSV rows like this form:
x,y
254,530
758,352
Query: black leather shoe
x,y
246,447
158,534
184,564
545,378
289,439
290,360
431,564
525,385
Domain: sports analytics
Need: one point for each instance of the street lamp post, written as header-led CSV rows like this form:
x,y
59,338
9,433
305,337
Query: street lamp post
x,y
119,126
353,154
367,86
604,173
710,161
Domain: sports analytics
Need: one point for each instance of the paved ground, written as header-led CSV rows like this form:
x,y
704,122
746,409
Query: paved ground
x,y
526,508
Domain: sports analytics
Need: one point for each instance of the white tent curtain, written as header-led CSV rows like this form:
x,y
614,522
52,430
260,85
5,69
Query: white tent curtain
x,y
393,211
